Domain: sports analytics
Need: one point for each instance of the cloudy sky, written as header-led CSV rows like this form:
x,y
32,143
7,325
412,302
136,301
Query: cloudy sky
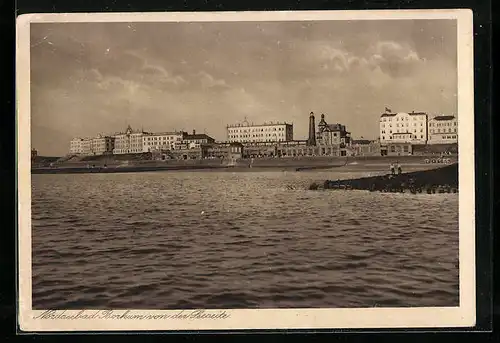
x,y
91,78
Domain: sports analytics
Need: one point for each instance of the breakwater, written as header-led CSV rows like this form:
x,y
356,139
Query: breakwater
x,y
439,180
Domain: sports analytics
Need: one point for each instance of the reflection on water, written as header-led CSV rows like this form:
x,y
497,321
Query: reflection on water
x,y
237,240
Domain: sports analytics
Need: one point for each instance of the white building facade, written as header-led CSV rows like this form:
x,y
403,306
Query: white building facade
x,y
99,145
161,141
443,130
129,142
102,145
403,128
76,146
268,132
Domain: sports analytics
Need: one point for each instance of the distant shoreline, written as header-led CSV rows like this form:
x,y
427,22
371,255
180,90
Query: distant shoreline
x,y
370,167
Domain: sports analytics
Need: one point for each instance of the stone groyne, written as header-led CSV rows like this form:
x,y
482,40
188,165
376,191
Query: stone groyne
x,y
439,180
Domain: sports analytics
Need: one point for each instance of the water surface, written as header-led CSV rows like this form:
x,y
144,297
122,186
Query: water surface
x,y
171,240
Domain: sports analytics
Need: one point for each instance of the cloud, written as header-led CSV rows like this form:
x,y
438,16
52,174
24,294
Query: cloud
x,y
394,59
390,57
158,74
100,77
208,81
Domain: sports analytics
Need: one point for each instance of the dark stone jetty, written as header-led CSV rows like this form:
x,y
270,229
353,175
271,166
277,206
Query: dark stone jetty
x,y
440,180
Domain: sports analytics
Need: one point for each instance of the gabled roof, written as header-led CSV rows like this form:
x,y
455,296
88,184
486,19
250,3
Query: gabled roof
x,y
333,127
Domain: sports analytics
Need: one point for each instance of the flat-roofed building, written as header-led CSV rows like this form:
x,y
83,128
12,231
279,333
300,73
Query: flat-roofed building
x,y
92,146
443,130
80,146
297,148
365,147
225,150
161,141
259,149
76,146
101,145
267,132
397,149
86,145
403,127
183,153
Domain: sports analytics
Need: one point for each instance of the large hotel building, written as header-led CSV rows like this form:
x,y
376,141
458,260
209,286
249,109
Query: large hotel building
x,y
403,128
417,128
128,142
405,133
92,146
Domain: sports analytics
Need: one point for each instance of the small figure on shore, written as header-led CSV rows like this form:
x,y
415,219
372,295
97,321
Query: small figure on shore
x,y
399,168
393,170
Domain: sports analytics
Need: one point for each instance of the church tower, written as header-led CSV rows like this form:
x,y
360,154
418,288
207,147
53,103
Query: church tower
x,y
311,141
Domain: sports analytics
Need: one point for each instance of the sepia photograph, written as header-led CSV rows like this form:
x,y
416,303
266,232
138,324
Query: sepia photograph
x,y
246,170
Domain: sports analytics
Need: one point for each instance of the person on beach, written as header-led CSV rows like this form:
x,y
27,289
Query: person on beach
x,y
399,168
392,169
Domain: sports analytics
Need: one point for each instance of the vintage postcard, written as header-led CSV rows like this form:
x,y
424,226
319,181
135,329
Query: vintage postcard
x,y
245,170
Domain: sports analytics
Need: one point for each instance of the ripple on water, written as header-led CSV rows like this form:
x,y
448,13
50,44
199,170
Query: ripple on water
x,y
144,243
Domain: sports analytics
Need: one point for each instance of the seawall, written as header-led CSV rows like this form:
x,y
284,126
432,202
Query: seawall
x,y
284,163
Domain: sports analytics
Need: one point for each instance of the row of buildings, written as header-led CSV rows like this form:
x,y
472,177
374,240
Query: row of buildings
x,y
418,128
249,140
137,141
